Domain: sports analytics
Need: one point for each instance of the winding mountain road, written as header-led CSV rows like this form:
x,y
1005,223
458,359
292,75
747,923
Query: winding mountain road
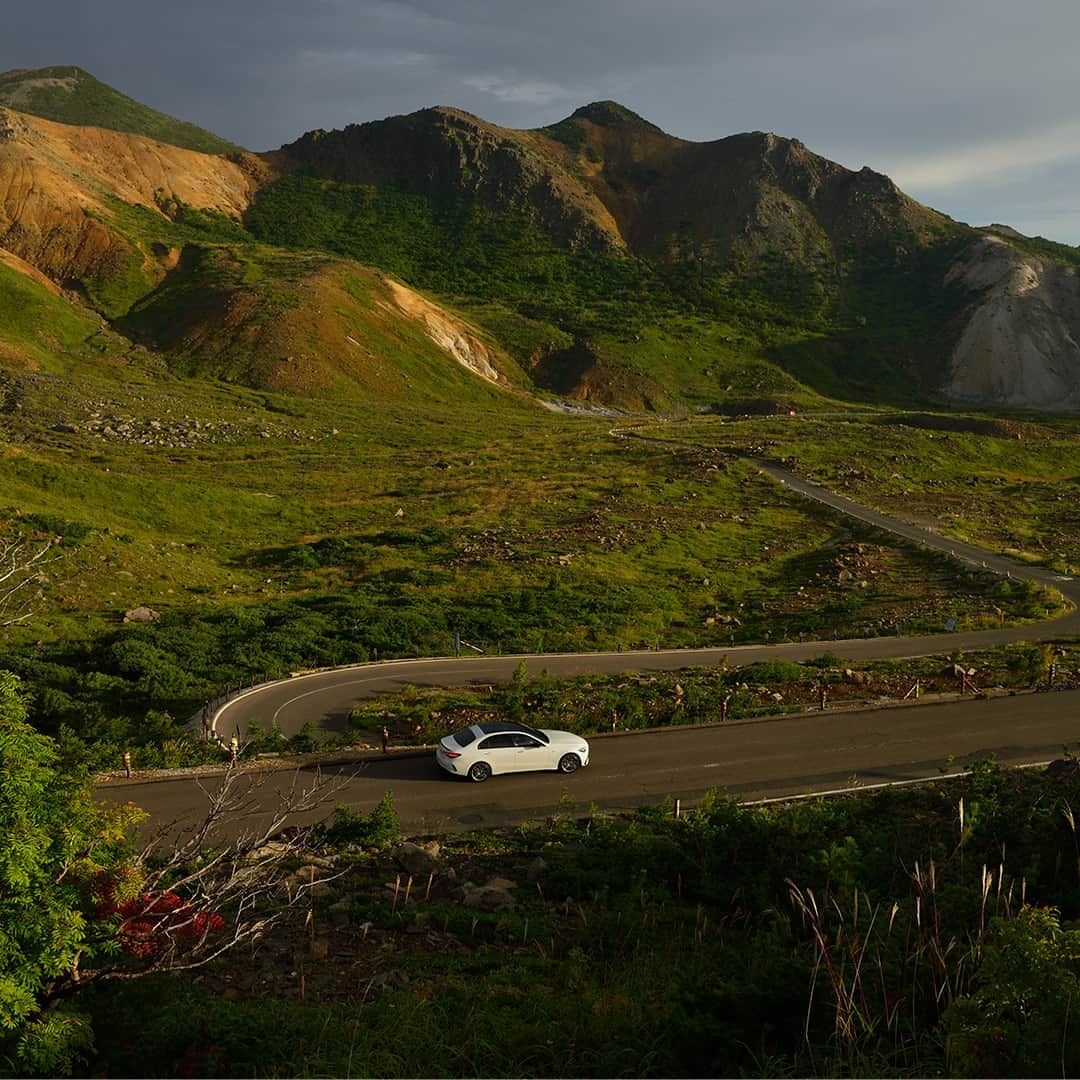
x,y
778,757
327,697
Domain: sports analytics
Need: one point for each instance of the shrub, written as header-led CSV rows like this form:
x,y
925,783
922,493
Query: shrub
x,y
379,827
770,673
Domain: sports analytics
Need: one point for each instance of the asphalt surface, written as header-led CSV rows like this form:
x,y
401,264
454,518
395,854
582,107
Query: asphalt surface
x,y
815,752
326,698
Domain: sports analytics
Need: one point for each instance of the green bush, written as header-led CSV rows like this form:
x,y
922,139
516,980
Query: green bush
x,y
348,826
769,673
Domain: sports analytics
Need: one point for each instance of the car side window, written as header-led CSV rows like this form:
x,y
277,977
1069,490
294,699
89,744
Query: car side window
x,y
497,742
526,742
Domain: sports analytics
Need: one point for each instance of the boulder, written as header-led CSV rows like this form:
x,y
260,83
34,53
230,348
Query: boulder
x,y
491,897
141,614
417,861
307,880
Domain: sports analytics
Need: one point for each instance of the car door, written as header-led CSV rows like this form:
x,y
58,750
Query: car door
x,y
500,752
532,754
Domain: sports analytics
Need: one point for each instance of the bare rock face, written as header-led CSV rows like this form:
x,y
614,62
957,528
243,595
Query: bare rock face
x,y
1021,346
446,331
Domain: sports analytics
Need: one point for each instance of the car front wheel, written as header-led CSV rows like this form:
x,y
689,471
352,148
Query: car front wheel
x,y
480,772
569,763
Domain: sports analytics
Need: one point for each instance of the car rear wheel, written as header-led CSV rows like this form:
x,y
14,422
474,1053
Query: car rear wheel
x,y
480,772
569,763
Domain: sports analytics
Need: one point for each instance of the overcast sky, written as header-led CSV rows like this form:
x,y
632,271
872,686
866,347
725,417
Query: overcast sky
x,y
970,105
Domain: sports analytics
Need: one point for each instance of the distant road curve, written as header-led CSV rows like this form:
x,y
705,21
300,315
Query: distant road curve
x,y
327,697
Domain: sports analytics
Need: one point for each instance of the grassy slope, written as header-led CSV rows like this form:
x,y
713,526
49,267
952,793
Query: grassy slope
x,y
296,322
270,539
70,95
688,328
1006,483
39,329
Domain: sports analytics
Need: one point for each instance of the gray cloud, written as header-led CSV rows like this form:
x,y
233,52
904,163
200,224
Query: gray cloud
x,y
963,101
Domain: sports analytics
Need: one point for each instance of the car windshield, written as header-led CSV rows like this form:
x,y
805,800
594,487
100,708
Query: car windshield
x,y
463,738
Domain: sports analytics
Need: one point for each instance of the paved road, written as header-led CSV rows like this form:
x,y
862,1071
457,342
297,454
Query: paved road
x,y
327,698
751,760
780,757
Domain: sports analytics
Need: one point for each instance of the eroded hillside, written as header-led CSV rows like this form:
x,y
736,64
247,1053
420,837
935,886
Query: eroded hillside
x,y
61,187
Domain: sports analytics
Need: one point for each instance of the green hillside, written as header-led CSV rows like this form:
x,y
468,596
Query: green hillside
x,y
70,95
703,332
40,330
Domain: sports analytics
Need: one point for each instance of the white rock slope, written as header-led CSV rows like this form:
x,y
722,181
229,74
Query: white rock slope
x,y
1020,346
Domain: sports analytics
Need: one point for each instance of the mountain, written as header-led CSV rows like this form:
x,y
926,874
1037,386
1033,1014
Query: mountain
x,y
604,229
70,95
598,258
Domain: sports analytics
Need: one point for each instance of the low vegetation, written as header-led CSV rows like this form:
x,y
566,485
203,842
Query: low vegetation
x,y
527,532
600,703
905,932
1002,481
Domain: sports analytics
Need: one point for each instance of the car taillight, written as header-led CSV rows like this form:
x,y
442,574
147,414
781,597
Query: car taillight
x,y
449,753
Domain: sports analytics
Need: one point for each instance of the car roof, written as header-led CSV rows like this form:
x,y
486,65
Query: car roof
x,y
493,727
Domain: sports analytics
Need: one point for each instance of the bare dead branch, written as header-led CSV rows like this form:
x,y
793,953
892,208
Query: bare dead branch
x,y
243,880
22,563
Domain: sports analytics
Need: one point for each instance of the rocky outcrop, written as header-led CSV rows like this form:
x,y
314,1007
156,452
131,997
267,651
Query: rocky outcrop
x,y
1021,345
581,373
447,154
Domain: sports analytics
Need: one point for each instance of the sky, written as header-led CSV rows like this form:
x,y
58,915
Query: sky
x,y
969,105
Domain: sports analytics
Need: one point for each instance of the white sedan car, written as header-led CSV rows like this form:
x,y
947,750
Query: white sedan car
x,y
505,747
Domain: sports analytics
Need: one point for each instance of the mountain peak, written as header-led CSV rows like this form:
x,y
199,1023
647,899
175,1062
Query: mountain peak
x,y
69,95
610,114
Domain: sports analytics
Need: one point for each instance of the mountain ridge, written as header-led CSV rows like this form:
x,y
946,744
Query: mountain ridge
x,y
597,236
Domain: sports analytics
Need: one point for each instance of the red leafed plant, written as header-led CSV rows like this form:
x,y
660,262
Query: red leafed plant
x,y
151,924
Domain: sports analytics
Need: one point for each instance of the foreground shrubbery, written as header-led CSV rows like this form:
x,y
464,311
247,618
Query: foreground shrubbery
x,y
85,900
907,932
